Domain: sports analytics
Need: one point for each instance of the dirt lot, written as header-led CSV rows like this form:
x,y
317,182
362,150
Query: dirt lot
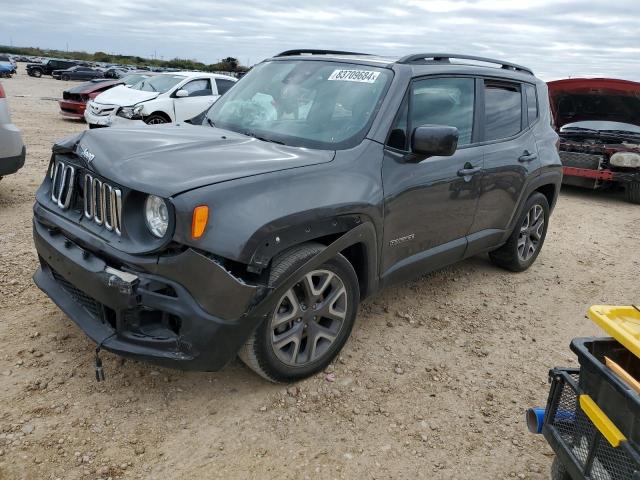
x,y
433,383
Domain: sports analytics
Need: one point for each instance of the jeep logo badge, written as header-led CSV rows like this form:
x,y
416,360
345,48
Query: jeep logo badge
x,y
85,154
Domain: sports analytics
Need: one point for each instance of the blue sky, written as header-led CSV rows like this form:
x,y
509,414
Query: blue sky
x,y
558,38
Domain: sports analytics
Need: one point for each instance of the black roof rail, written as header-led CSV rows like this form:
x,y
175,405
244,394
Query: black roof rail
x,y
307,51
446,57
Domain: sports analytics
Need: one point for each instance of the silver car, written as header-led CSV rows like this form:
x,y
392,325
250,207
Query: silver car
x,y
12,151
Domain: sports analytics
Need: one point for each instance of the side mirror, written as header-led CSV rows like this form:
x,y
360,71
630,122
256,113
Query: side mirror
x,y
182,94
434,140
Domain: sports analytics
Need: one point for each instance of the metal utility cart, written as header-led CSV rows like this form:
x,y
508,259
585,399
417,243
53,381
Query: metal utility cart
x,y
592,417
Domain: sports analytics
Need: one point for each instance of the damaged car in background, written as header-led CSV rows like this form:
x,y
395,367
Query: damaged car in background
x,y
598,121
164,98
74,100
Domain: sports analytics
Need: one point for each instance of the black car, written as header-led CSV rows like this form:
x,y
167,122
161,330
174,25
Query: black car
x,y
115,73
77,73
318,179
47,67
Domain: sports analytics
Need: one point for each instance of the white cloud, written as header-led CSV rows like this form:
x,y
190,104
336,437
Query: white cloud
x,y
557,38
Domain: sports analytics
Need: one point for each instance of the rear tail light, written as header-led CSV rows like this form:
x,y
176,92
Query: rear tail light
x,y
2,95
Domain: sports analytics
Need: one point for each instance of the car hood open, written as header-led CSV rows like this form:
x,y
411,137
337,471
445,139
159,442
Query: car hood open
x,y
580,99
124,96
166,160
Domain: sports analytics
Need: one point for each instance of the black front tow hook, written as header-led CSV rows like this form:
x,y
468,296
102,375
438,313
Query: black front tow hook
x,y
98,365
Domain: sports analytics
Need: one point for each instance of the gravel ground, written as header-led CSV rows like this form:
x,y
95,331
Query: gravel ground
x,y
433,383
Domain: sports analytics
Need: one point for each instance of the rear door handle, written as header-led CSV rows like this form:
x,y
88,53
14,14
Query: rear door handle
x,y
527,157
466,172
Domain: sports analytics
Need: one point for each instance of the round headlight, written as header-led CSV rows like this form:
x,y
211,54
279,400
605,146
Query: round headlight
x,y
156,215
625,159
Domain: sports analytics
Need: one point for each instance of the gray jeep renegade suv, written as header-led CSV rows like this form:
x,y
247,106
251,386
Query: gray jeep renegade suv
x,y
316,180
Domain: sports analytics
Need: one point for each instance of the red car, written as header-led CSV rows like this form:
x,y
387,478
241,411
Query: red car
x,y
74,100
598,120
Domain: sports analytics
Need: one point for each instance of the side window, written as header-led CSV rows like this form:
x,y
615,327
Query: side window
x,y
198,88
444,101
223,85
503,110
532,103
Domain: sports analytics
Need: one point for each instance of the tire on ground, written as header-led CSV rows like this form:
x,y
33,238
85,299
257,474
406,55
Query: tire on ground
x,y
156,118
257,353
507,255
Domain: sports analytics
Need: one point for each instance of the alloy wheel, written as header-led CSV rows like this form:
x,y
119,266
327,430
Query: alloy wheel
x,y
308,318
531,233
155,120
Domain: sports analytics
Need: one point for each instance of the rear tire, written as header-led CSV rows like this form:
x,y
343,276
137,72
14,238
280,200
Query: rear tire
x,y
310,323
36,73
558,471
526,240
632,192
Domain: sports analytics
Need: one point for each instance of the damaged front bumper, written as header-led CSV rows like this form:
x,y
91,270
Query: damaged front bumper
x,y
183,311
603,174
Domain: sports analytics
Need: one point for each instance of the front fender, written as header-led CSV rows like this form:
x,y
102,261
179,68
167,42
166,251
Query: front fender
x,y
253,218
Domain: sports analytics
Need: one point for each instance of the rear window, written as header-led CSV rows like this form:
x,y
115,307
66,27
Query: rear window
x,y
503,111
532,103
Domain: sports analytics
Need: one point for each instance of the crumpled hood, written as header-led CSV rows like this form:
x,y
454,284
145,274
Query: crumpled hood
x,y
169,159
124,96
89,87
580,99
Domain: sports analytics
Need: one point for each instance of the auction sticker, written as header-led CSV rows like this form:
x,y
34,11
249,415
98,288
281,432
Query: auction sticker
x,y
363,76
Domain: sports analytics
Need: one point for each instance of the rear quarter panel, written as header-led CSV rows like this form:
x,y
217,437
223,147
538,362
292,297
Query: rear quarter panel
x,y
546,136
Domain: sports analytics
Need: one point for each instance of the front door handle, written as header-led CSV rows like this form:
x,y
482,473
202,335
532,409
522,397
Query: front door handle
x,y
467,172
527,157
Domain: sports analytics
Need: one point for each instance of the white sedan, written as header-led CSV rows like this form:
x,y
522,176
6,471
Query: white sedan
x,y
164,98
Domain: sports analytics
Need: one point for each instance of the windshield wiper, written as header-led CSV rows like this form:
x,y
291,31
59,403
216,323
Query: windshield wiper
x,y
270,140
580,129
210,122
621,133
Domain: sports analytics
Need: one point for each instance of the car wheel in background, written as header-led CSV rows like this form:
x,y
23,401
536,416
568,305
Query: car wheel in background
x,y
310,323
632,192
155,119
526,240
64,77
36,73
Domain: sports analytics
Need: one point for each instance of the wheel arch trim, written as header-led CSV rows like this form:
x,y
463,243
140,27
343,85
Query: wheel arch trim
x,y
364,233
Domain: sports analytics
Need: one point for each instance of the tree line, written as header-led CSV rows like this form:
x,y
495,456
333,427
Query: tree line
x,y
228,64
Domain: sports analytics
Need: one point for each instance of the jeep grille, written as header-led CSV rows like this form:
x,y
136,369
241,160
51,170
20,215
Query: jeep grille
x,y
102,202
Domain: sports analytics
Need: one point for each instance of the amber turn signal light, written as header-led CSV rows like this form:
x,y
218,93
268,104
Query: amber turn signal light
x,y
199,222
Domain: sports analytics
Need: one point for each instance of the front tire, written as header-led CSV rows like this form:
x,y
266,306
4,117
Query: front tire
x,y
526,240
632,192
155,119
65,78
310,323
